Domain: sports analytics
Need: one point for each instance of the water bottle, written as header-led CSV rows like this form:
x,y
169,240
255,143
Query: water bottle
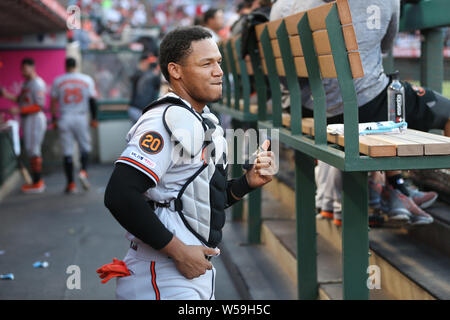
x,y
396,100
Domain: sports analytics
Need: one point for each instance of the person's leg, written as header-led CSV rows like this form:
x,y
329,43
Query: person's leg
x,y
334,188
83,137
155,277
68,169
67,142
324,200
34,131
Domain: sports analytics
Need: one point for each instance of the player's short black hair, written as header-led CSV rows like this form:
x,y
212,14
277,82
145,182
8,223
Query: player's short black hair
x,y
70,63
176,45
209,14
245,4
27,61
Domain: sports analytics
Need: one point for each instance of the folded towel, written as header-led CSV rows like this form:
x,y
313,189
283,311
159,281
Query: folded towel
x,y
367,128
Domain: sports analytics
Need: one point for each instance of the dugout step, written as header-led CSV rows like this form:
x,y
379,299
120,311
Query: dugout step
x,y
412,268
253,270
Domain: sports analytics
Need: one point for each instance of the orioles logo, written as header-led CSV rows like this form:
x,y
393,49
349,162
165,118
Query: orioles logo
x,y
151,142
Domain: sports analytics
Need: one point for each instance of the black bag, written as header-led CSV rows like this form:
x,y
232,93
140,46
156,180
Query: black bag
x,y
248,30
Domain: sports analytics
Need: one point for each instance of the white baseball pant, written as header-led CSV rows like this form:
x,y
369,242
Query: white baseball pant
x,y
74,127
155,277
34,127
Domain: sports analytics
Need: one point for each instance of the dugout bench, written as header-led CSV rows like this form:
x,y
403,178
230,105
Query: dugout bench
x,y
319,43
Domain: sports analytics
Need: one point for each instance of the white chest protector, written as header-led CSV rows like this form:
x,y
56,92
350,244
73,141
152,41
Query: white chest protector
x,y
202,199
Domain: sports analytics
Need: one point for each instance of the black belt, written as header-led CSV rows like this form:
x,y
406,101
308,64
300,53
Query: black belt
x,y
174,204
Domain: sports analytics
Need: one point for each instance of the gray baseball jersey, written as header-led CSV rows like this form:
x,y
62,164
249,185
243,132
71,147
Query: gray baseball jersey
x,y
73,90
35,124
33,92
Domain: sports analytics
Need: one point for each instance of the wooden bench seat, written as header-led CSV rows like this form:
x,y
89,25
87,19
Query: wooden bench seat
x,y
410,143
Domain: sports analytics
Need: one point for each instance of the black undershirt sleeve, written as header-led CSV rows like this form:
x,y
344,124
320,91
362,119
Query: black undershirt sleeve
x,y
93,108
239,187
124,197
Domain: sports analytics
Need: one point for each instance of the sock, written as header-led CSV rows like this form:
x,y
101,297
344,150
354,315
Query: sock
x,y
84,160
36,177
68,168
397,182
36,168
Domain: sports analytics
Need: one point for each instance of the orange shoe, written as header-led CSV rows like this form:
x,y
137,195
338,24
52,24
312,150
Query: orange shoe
x,y
37,187
71,188
337,219
84,179
326,214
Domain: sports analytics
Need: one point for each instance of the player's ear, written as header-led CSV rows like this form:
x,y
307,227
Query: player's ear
x,y
174,70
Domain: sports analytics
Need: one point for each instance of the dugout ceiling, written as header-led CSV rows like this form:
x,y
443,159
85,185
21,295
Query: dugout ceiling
x,y
21,17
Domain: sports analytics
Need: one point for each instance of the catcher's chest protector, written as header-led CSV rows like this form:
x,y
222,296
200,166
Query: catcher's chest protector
x,y
201,201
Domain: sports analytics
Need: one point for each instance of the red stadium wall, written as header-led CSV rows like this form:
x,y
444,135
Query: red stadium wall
x,y
49,65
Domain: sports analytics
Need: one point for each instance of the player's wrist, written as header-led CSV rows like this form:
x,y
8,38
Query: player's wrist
x,y
174,249
240,187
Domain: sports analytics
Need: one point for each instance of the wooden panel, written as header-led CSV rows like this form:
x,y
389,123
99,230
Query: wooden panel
x,y
367,145
429,135
344,12
308,126
307,123
350,37
249,68
261,51
272,27
372,147
404,147
327,68
432,146
275,48
286,119
280,67
235,56
300,67
316,16
296,46
292,22
264,67
238,67
248,63
376,148
356,65
259,30
321,42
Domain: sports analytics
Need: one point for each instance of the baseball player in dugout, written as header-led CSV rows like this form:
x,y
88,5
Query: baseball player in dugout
x,y
169,188
75,94
31,102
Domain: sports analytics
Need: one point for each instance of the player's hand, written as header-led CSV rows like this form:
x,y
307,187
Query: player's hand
x,y
193,263
14,111
189,260
264,167
94,124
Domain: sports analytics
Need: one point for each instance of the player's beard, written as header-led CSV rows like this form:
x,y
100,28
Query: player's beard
x,y
206,101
